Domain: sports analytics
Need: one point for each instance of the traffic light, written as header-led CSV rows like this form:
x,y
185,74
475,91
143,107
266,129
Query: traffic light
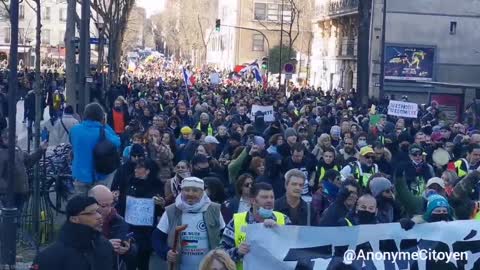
x,y
265,63
217,25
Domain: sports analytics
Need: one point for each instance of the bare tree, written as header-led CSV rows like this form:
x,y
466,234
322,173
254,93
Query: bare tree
x,y
115,14
185,25
291,27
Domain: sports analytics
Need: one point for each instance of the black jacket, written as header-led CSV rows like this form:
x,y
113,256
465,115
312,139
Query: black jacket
x,y
333,214
282,206
78,247
118,229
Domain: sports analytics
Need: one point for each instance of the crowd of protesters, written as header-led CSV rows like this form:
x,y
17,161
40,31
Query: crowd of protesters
x,y
209,163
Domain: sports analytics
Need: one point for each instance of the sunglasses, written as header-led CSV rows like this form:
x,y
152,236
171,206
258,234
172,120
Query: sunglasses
x,y
247,185
416,154
369,157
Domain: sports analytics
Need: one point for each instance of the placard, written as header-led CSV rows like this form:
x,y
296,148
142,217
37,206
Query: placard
x,y
139,211
267,112
403,109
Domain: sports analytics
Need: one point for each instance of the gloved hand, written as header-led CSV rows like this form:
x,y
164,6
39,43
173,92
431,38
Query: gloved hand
x,y
407,224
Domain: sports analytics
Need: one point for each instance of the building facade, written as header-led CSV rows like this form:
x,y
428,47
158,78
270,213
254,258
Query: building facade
x,y
431,50
334,47
233,46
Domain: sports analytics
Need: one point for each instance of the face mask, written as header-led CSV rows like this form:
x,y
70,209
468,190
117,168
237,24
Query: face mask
x,y
265,213
438,217
365,217
201,173
361,144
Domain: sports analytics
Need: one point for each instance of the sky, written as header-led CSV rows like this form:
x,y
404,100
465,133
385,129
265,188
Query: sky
x,y
151,6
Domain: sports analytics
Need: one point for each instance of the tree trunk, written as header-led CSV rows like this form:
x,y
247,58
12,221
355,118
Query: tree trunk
x,y
70,62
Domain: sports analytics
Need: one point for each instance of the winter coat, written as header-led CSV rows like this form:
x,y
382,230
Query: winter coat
x,y
78,247
84,137
22,162
60,133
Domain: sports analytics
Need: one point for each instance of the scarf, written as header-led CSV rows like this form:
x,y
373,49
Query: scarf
x,y
106,228
198,207
175,186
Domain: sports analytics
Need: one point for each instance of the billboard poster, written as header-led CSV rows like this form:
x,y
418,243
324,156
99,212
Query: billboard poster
x,y
409,63
451,105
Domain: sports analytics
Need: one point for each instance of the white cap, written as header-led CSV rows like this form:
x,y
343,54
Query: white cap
x,y
193,182
210,139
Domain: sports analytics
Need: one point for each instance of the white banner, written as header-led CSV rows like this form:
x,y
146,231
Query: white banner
x,y
139,211
440,245
267,112
214,78
403,109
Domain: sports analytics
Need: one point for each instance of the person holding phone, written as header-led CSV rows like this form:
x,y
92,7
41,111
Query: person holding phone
x,y
114,228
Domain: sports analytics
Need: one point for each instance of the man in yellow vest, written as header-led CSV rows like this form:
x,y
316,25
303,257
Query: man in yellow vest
x,y
466,165
204,125
234,236
365,212
362,169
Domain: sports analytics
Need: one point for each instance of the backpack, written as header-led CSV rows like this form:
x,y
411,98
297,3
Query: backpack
x,y
105,155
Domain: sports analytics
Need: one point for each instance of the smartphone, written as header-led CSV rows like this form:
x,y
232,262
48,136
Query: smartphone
x,y
128,237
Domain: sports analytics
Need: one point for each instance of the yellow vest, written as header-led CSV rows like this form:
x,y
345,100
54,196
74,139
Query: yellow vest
x,y
209,130
349,223
240,224
323,171
362,177
458,165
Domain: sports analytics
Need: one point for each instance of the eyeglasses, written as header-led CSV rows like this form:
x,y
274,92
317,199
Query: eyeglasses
x,y
88,213
247,185
416,154
369,157
107,205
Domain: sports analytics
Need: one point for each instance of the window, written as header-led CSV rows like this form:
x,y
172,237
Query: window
x,y
46,36
260,11
63,14
3,14
6,38
453,28
21,12
21,36
61,37
258,43
272,11
46,13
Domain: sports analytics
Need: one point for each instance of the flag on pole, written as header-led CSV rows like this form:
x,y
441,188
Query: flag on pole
x,y
252,68
188,77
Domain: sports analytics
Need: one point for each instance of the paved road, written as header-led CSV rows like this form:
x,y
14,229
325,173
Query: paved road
x,y
21,128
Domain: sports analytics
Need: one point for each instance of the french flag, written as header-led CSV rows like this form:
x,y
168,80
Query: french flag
x,y
254,68
188,77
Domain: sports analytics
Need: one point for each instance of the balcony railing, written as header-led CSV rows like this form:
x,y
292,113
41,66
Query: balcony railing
x,y
335,8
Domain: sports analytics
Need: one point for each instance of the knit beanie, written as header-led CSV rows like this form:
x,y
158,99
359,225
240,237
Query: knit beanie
x,y
435,201
379,185
290,132
77,204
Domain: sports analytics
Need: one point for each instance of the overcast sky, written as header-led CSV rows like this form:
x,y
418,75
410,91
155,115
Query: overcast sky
x,y
151,6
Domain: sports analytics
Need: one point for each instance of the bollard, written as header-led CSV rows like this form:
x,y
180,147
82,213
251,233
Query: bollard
x,y
8,249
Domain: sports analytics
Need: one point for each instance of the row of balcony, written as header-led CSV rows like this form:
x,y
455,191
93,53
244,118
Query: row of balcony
x,y
335,8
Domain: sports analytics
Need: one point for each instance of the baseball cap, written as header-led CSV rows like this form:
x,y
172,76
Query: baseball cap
x,y
366,150
415,149
211,140
436,180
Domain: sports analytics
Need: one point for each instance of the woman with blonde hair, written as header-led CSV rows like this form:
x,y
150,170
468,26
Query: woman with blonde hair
x,y
217,259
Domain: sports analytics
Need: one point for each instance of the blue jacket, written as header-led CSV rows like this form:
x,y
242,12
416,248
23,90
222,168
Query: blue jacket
x,y
83,138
